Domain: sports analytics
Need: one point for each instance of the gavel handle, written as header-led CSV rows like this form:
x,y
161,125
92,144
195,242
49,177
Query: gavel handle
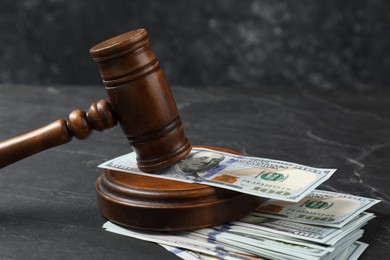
x,y
80,124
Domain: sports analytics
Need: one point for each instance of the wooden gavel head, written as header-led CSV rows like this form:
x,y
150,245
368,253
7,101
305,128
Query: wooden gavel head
x,y
142,100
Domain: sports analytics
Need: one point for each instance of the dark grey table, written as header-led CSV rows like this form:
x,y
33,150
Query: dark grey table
x,y
47,202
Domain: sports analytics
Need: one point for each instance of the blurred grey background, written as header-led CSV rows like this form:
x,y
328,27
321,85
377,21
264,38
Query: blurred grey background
x,y
249,43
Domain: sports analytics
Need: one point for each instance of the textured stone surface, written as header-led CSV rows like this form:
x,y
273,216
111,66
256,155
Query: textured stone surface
x,y
47,202
311,44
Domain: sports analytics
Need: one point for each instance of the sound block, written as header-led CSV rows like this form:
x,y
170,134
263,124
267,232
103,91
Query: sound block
x,y
150,203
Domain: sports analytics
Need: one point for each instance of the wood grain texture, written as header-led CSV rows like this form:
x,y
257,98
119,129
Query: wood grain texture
x,y
79,124
164,205
139,92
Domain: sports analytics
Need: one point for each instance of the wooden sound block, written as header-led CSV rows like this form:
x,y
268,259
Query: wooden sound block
x,y
150,203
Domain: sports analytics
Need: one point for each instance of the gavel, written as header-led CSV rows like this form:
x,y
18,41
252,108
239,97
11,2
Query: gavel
x,y
139,99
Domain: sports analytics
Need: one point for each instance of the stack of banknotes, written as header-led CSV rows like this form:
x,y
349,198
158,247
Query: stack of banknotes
x,y
297,221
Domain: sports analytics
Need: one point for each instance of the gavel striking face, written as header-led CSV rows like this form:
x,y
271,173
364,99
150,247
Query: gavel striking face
x,y
140,100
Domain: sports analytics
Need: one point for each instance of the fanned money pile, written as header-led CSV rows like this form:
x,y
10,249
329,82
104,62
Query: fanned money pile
x,y
323,225
297,222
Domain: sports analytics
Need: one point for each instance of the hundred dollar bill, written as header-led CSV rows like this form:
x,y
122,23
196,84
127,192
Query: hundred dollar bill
x,y
193,255
239,244
222,244
341,246
294,249
324,208
223,249
260,252
262,177
181,240
188,254
355,250
278,249
281,230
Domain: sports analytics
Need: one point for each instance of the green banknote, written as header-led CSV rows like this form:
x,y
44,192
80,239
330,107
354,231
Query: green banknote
x,y
324,208
261,177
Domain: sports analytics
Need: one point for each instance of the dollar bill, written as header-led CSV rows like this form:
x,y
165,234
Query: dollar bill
x,y
182,240
343,245
355,250
324,208
253,249
188,254
293,249
277,228
274,179
216,243
352,252
193,255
